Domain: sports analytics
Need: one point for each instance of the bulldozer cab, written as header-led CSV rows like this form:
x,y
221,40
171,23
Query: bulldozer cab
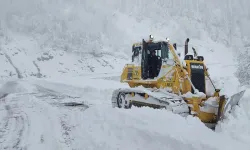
x,y
153,54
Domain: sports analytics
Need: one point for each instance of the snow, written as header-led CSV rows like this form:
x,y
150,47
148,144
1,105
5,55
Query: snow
x,y
236,124
21,59
210,105
57,54
209,87
211,101
145,134
190,95
33,117
38,106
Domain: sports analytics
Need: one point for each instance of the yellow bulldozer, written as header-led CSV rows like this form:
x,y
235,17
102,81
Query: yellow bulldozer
x,y
159,78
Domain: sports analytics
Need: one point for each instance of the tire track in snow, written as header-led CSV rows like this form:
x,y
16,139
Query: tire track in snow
x,y
57,99
66,129
20,126
17,127
15,124
12,131
64,107
5,121
4,126
37,119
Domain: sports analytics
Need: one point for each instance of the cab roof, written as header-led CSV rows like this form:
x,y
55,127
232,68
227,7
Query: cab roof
x,y
137,44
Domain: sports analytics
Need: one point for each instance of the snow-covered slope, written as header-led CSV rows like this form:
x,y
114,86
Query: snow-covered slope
x,y
55,54
22,58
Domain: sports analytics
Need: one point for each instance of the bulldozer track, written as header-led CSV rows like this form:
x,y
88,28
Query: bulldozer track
x,y
159,99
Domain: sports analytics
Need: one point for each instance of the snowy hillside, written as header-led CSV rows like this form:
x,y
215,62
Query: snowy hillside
x,y
40,29
61,60
22,58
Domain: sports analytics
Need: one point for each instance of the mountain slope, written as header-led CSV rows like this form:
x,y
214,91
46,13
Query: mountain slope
x,y
22,58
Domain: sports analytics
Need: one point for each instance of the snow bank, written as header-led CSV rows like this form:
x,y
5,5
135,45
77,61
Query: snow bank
x,y
146,128
90,91
14,87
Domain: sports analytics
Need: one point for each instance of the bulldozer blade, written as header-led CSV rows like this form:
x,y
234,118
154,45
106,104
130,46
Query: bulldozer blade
x,y
233,101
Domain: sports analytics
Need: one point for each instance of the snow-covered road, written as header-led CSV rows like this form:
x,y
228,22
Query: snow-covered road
x,y
33,118
37,114
41,115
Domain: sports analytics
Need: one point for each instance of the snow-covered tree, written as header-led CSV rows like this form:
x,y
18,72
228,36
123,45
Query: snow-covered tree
x,y
93,25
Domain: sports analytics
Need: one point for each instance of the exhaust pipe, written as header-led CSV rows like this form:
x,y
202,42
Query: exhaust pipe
x,y
186,47
195,53
175,46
